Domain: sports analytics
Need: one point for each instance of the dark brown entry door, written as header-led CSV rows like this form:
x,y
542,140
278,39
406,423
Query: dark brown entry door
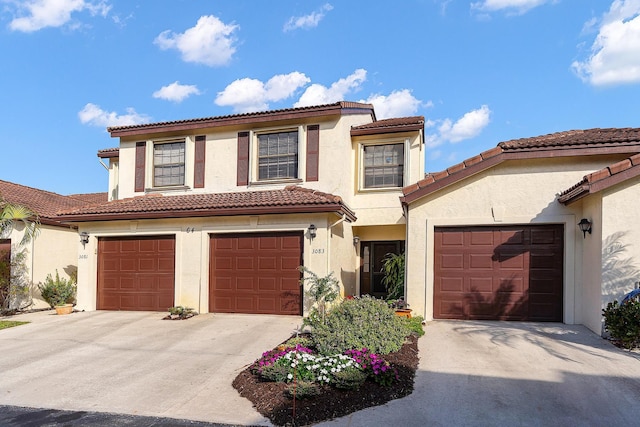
x,y
136,273
372,255
5,270
499,273
255,273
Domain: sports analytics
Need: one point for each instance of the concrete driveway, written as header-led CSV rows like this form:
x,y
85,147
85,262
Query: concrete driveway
x,y
136,363
470,373
514,374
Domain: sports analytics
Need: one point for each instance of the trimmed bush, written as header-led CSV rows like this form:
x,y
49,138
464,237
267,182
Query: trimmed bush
x,y
349,379
623,322
360,323
303,390
415,325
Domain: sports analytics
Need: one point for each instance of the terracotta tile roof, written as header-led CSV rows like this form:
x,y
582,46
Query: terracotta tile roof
x,y
343,107
573,138
91,198
570,143
400,124
292,199
45,203
109,152
602,179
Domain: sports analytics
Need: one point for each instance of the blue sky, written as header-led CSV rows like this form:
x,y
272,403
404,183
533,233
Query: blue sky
x,y
479,71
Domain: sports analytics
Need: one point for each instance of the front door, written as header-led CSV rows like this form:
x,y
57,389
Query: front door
x,y
372,255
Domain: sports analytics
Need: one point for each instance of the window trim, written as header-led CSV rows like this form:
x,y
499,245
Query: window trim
x,y
255,155
361,167
152,163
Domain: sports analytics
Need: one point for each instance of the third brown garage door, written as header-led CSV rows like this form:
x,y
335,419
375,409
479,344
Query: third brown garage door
x,y
255,273
499,273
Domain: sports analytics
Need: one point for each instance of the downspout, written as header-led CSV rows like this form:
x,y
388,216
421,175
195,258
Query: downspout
x,y
103,165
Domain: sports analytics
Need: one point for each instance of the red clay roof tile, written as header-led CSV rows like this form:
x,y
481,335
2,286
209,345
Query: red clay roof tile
x,y
292,199
617,136
400,124
45,203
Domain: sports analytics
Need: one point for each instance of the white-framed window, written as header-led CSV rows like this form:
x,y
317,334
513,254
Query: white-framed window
x,y
168,163
277,155
383,165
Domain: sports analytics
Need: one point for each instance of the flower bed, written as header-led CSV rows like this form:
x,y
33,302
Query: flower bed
x,y
325,387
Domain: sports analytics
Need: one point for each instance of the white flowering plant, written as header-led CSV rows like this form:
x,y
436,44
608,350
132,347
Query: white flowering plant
x,y
303,366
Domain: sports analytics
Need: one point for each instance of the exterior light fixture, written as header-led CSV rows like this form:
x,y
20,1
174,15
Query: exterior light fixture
x,y
84,238
585,227
356,240
312,231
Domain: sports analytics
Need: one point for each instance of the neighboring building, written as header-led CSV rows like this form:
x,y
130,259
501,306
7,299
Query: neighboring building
x,y
496,236
56,247
218,213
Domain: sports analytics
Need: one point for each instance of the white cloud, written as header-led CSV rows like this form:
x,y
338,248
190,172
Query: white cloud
x,y
39,14
317,94
307,21
210,42
615,53
246,95
176,92
397,104
517,7
93,115
468,126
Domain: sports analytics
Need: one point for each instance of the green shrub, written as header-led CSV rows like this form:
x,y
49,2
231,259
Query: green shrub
x,y
349,379
623,322
360,323
303,390
302,341
393,279
58,291
181,312
415,325
275,373
322,291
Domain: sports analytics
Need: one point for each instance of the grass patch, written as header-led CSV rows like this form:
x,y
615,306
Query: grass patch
x,y
4,324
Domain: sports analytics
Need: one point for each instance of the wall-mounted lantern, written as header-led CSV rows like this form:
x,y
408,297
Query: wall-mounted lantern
x,y
312,231
84,238
356,240
585,227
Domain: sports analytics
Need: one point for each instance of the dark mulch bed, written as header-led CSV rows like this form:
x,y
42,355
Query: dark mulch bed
x,y
270,400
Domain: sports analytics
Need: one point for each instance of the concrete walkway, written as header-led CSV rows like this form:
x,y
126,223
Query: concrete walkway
x,y
514,374
135,363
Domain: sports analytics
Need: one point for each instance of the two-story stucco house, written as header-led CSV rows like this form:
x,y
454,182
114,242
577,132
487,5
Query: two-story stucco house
x,y
218,213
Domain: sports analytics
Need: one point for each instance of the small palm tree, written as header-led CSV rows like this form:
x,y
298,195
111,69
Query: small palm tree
x,y
12,214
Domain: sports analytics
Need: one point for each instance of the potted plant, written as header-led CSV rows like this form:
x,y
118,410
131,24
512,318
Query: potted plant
x,y
393,280
59,293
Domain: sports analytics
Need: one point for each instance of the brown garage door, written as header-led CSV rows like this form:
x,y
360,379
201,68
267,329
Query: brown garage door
x,y
136,273
255,273
499,273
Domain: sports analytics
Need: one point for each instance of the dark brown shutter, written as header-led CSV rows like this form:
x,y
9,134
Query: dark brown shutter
x,y
140,160
198,174
243,158
313,151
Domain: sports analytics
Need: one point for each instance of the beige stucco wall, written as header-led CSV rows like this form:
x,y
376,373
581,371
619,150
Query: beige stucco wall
x,y
589,293
329,251
54,248
514,192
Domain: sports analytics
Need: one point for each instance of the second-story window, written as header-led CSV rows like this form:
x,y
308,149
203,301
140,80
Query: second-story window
x,y
278,155
383,165
168,164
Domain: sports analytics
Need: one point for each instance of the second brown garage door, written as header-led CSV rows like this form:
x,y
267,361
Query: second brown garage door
x,y
136,273
255,273
499,273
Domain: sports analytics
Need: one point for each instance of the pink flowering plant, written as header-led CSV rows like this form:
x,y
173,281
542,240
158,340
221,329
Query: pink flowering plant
x,y
375,366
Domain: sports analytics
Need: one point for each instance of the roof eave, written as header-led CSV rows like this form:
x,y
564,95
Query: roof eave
x,y
270,210
387,129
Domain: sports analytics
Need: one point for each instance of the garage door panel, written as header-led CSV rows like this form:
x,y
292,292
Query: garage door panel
x,y
144,279
261,275
508,273
480,262
452,261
